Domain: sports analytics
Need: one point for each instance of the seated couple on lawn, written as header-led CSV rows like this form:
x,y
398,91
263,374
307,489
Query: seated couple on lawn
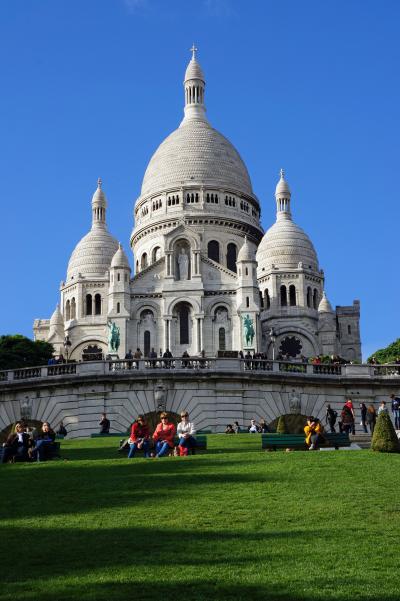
x,y
19,446
163,436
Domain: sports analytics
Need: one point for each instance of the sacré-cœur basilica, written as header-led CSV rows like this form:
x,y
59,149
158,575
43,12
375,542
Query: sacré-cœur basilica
x,y
206,276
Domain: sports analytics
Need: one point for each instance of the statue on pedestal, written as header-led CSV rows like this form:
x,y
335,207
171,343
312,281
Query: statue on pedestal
x,y
183,265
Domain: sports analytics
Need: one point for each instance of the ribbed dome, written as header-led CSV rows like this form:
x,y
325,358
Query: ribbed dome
x,y
194,71
324,305
246,253
93,254
57,319
196,153
285,245
120,259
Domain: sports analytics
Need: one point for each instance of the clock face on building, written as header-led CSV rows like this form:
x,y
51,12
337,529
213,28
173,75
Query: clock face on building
x,y
290,346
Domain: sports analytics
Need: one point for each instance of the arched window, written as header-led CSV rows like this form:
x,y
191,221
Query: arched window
x,y
283,296
156,254
213,250
246,270
247,301
147,341
118,307
184,325
261,300
73,308
67,310
349,329
221,339
267,300
309,296
292,295
97,304
118,277
143,262
231,257
315,299
137,266
88,304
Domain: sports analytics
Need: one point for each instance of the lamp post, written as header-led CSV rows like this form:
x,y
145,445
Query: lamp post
x,y
67,344
272,337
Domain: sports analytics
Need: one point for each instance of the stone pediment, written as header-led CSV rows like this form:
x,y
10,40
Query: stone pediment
x,y
185,231
211,270
152,273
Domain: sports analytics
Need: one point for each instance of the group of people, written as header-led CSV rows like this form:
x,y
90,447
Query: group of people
x,y
162,441
252,428
163,360
347,421
26,445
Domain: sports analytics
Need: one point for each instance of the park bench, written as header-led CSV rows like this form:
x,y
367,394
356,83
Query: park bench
x,y
297,441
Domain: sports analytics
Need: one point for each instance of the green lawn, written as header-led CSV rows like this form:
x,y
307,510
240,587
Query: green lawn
x,y
234,523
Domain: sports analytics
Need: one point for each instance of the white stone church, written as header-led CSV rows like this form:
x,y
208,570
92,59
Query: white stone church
x,y
207,278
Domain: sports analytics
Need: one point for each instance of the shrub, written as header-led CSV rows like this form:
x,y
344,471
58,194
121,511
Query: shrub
x,y
281,427
384,438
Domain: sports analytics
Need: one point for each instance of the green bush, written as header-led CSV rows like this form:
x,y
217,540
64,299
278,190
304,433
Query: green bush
x,y
281,427
388,354
384,438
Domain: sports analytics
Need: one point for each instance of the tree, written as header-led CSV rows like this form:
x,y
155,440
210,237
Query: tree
x,y
388,354
385,438
281,427
18,351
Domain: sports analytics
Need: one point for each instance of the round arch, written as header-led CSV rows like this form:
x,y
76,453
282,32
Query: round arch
x,y
279,332
188,237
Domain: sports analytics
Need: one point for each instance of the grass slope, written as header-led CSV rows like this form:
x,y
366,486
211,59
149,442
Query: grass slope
x,y
234,523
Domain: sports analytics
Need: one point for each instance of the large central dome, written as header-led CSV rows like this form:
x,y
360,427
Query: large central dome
x,y
196,153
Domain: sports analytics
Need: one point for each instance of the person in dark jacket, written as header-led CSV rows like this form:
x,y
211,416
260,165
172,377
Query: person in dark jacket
x,y
371,418
330,418
104,424
16,445
363,410
44,442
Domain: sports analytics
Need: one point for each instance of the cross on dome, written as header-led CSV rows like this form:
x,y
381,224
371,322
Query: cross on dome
x,y
99,182
282,173
193,50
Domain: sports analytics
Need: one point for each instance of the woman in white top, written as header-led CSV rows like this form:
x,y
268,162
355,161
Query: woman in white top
x,y
186,432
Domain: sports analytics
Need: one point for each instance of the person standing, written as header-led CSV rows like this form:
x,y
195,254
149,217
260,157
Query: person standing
x,y
347,420
363,410
382,408
396,410
371,418
330,418
349,404
104,424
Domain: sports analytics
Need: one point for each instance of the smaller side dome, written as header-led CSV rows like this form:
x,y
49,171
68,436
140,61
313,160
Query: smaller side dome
x,y
324,305
246,253
57,319
120,259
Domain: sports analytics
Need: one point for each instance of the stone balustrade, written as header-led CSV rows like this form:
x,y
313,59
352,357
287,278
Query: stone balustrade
x,y
199,365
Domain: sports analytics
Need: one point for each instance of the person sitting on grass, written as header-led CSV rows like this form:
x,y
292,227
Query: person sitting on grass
x,y
229,429
313,431
164,435
44,442
16,445
186,432
104,424
254,428
139,438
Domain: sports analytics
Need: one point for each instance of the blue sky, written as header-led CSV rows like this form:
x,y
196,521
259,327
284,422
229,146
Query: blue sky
x,y
91,87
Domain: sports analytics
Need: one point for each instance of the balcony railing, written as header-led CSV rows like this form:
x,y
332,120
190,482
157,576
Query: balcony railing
x,y
198,365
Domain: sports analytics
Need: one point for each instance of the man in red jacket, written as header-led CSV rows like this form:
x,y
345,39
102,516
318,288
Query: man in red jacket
x,y
139,438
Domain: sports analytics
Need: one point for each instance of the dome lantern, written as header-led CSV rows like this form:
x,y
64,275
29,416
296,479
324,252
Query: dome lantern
x,y
99,205
282,195
194,85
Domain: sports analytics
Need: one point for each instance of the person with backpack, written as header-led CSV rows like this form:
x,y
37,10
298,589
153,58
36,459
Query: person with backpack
x,y
396,410
330,418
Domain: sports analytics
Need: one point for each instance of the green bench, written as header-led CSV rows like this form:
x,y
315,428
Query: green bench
x,y
297,441
201,442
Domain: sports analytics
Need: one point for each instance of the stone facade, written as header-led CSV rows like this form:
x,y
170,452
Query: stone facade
x,y
206,278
